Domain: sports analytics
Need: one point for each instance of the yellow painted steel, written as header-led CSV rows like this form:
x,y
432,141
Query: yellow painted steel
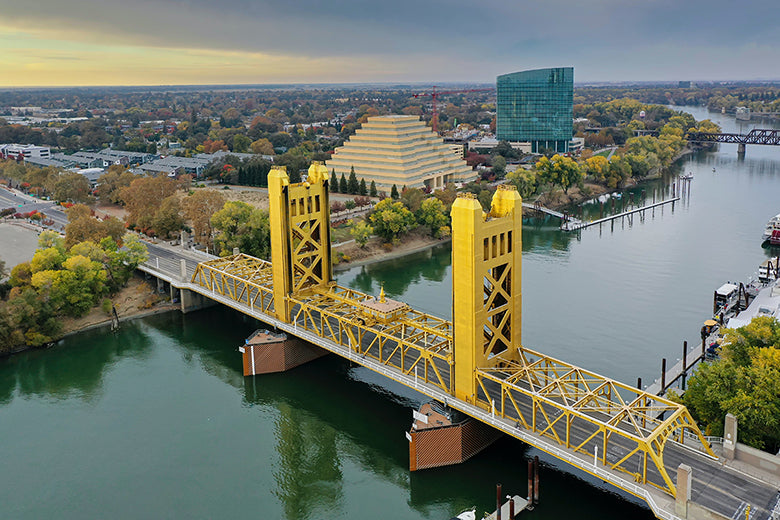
x,y
486,280
485,362
300,233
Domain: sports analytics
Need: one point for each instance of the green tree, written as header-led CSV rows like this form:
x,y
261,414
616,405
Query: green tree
x,y
394,192
241,143
243,226
372,189
343,187
333,183
525,181
352,184
391,219
499,167
745,382
361,233
362,190
71,186
431,214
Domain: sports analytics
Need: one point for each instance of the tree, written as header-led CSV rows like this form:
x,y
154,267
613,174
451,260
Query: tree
x,y
143,197
343,187
198,209
499,167
83,226
241,143
394,192
431,214
262,146
333,182
745,382
110,184
167,218
240,225
391,219
525,181
71,186
362,190
372,189
412,198
361,233
559,170
352,183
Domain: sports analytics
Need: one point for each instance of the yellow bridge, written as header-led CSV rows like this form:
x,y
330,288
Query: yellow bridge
x,y
476,363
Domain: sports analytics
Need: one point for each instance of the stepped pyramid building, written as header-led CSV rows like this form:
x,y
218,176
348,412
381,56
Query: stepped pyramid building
x,y
399,150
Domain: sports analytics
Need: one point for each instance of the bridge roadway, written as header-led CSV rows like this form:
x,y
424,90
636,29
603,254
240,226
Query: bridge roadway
x,y
715,486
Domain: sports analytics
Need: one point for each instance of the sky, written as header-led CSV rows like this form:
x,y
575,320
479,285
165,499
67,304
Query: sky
x,y
165,42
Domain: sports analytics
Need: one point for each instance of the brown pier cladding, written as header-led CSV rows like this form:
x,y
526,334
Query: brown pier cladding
x,y
266,353
444,443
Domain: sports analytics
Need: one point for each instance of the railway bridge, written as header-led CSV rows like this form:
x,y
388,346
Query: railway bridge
x,y
476,364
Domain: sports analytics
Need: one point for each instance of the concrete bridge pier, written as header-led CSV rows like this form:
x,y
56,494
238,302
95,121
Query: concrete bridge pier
x,y
741,149
192,301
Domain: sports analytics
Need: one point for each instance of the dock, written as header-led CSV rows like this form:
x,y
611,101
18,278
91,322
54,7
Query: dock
x,y
679,370
509,511
570,223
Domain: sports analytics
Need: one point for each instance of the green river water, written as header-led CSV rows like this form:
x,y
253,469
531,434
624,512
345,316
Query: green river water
x,y
156,421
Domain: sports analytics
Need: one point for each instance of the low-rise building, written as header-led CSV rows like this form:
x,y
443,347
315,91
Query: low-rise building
x,y
26,151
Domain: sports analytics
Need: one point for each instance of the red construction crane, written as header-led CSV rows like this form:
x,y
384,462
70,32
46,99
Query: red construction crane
x,y
436,93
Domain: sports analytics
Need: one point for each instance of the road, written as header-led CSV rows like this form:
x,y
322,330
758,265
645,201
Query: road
x,y
25,203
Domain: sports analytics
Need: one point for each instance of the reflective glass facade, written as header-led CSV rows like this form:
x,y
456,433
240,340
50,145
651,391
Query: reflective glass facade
x,y
536,106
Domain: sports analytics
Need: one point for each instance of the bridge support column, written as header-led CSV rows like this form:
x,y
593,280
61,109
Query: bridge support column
x,y
741,149
444,437
486,284
192,301
730,437
684,482
266,352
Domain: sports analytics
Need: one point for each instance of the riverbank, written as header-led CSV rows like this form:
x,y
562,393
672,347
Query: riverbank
x,y
351,255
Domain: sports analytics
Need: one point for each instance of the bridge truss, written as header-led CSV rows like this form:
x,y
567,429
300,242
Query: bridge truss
x,y
755,136
625,428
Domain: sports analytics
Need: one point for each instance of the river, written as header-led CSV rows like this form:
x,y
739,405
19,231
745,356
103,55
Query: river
x,y
156,421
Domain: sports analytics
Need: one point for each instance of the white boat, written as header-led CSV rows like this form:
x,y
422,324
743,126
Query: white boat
x,y
468,514
772,225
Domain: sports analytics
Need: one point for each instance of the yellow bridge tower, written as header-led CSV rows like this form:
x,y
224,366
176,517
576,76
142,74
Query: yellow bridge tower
x,y
486,281
299,216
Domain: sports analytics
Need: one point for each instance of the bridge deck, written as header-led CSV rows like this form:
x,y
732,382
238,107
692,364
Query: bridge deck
x,y
563,410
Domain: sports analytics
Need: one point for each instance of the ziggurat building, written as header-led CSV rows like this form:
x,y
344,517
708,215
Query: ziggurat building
x,y
399,150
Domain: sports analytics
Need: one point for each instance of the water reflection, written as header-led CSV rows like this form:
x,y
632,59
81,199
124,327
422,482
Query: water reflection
x,y
58,373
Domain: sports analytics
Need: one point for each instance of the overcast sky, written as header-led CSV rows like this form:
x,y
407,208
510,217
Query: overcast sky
x,y
152,42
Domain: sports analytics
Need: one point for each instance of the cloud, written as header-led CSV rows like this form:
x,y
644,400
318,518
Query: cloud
x,y
431,40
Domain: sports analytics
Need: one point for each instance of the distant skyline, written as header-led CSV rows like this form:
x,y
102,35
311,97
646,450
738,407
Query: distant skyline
x,y
167,42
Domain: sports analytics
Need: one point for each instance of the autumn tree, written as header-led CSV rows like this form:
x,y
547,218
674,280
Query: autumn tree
x,y
198,209
82,225
143,197
559,171
167,219
432,215
526,181
262,146
110,184
412,198
390,219
71,186
361,232
243,226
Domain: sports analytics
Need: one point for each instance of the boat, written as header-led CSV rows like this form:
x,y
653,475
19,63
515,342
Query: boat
x,y
769,270
468,514
774,238
687,177
771,226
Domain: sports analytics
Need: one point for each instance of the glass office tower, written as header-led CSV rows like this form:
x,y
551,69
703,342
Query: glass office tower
x,y
536,106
